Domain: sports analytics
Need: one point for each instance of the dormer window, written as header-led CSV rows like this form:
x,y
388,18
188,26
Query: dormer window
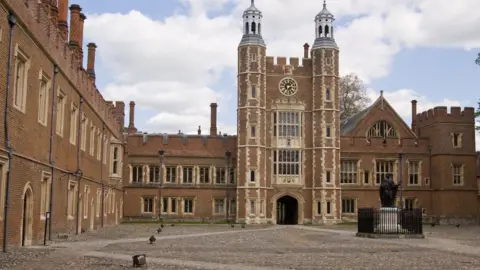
x,y
382,129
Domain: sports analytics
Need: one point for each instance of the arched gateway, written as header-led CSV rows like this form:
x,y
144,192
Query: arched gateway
x,y
287,210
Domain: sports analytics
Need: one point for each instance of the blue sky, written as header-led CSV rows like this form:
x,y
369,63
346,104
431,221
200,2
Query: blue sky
x,y
410,58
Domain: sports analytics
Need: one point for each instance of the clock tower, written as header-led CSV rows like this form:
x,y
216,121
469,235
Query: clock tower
x,y
326,118
251,119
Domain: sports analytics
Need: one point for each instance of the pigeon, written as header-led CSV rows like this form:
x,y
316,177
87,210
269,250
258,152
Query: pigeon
x,y
161,225
159,230
458,225
243,225
232,225
82,231
152,239
433,224
173,225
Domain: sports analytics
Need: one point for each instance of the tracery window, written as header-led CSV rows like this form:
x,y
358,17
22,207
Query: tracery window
x,y
382,129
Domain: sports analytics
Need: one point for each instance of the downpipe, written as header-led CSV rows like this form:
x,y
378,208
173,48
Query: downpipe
x,y
12,21
51,159
79,172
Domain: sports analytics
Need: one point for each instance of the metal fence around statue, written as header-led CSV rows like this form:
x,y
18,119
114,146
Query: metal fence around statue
x,y
371,221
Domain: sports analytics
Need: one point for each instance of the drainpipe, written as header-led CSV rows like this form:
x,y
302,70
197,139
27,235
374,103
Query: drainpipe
x,y
12,21
101,175
78,172
52,162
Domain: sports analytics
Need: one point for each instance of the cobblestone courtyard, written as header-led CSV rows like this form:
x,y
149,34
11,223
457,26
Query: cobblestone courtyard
x,y
253,247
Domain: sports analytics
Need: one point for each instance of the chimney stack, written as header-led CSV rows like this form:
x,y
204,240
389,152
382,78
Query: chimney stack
x,y
75,25
91,60
54,12
306,48
199,131
80,30
62,18
131,122
414,116
213,119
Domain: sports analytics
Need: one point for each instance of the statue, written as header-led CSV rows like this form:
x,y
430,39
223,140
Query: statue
x,y
388,191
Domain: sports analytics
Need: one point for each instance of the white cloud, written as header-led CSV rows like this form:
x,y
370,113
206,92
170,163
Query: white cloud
x,y
171,66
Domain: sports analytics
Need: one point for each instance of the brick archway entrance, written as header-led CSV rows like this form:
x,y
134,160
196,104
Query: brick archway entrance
x,y
287,210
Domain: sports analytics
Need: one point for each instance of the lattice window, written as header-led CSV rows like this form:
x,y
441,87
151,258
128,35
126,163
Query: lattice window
x,y
287,162
348,172
147,205
188,175
219,206
137,174
171,174
382,129
457,174
287,124
220,175
188,206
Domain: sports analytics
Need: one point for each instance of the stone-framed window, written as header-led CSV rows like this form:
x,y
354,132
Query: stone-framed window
x,y
188,205
3,184
457,140
287,162
204,175
60,112
83,141
137,174
171,174
45,182
318,210
414,173
409,203
219,206
382,169
187,175
86,201
98,202
20,83
231,176
72,199
43,95
233,207
220,175
148,205
348,205
328,208
252,208
287,124
169,205
74,113
457,174
154,174
92,138
348,172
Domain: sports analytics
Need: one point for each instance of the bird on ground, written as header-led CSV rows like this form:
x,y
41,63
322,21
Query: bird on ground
x,y
161,225
243,225
173,225
432,224
458,225
232,225
152,239
159,230
82,231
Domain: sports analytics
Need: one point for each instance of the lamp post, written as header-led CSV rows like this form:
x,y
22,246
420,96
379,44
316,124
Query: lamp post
x,y
227,176
400,182
161,152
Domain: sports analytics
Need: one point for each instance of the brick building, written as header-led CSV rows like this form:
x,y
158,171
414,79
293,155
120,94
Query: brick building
x,y
293,160
61,148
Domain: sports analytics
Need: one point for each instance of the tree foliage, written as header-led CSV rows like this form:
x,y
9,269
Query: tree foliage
x,y
477,114
353,96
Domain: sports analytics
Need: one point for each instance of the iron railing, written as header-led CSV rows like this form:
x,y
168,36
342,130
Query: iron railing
x,y
389,221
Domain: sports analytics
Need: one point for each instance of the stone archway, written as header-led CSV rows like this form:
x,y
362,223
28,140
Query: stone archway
x,y
26,229
287,210
282,196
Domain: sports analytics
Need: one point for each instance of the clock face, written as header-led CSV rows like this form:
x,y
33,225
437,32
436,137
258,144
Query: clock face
x,y
288,86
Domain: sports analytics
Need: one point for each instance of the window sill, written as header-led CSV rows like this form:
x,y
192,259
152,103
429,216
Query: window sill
x,y
18,108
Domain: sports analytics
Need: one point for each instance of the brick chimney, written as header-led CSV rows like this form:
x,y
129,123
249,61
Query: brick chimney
x,y
62,18
91,60
213,119
54,12
199,131
131,122
414,116
306,48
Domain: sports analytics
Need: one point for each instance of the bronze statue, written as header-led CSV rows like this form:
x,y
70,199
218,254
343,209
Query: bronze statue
x,y
388,191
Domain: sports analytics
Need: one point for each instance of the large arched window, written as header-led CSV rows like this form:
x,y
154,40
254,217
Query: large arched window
x,y
382,129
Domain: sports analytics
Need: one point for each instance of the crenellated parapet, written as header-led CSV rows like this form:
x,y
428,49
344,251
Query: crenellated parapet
x,y
440,114
292,66
46,22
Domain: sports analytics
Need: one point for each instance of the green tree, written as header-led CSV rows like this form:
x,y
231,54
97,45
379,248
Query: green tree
x,y
477,115
353,96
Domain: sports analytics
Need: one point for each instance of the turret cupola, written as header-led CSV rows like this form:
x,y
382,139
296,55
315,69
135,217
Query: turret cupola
x,y
324,28
252,26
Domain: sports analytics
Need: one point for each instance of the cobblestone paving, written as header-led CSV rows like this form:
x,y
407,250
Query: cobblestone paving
x,y
256,248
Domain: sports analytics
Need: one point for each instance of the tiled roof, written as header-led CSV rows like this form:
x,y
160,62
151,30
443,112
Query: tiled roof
x,y
350,123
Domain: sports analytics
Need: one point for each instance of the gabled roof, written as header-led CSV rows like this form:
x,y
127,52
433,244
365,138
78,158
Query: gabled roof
x,y
352,122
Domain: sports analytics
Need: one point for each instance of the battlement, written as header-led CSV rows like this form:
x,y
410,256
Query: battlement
x,y
180,145
440,114
291,65
47,25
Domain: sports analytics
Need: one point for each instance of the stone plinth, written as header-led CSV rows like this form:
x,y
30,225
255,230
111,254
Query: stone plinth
x,y
389,221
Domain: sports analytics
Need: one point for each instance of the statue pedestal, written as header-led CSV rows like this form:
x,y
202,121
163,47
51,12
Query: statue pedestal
x,y
389,220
